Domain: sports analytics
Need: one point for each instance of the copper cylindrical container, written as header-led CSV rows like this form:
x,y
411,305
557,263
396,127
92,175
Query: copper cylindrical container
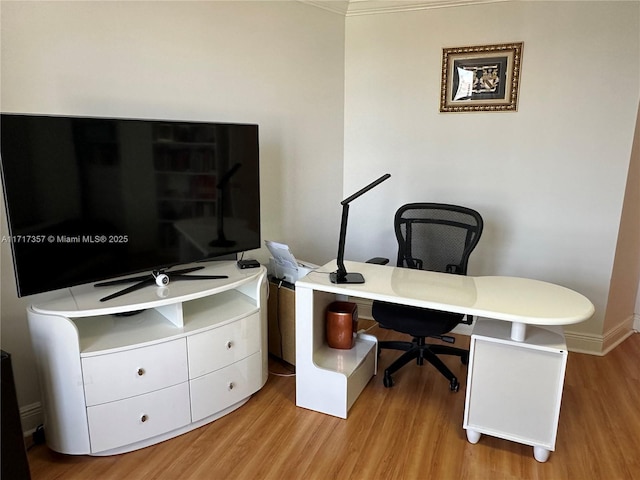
x,y
342,325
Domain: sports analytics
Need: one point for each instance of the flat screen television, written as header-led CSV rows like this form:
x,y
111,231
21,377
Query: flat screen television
x,y
89,199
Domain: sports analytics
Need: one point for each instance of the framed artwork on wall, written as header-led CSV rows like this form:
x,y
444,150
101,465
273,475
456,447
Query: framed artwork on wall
x,y
481,79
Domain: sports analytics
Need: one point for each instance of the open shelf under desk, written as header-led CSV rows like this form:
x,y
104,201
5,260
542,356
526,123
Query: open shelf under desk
x,y
345,362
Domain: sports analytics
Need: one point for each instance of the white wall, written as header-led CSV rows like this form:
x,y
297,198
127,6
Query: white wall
x,y
278,64
549,179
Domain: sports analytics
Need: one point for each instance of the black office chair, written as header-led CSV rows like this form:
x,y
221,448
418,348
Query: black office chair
x,y
436,237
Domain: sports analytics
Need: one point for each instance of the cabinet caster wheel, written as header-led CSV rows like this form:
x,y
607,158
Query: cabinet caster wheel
x,y
387,381
473,436
541,454
454,385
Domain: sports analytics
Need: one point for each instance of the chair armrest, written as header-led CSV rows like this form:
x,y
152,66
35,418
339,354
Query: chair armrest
x,y
378,260
455,269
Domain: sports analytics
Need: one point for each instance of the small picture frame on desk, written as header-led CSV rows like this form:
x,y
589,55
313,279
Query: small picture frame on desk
x,y
482,78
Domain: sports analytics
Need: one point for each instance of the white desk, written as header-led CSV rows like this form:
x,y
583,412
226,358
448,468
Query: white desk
x,y
329,380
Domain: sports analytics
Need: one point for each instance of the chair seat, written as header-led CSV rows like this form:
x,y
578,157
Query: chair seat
x,y
415,321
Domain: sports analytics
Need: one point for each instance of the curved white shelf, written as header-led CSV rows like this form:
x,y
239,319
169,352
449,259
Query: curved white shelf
x,y
345,362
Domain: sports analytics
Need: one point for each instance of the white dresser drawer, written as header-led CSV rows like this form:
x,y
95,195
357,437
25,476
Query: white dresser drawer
x,y
116,376
219,347
115,424
218,390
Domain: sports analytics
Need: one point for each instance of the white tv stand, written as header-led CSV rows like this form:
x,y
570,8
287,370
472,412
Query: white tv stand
x,y
187,354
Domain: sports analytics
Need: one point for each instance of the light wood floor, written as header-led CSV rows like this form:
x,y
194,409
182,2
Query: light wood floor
x,y
413,430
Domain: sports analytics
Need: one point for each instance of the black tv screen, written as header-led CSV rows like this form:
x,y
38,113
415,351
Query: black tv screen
x,y
89,199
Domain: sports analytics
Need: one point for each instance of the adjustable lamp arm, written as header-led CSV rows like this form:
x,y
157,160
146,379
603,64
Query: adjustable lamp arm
x,y
341,275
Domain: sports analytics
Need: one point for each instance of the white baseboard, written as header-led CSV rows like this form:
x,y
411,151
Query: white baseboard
x,y
31,417
584,343
617,335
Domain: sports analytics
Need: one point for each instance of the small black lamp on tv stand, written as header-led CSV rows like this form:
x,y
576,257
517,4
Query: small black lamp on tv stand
x,y
341,275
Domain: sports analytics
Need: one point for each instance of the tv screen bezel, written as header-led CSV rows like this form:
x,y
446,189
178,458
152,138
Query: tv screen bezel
x,y
96,276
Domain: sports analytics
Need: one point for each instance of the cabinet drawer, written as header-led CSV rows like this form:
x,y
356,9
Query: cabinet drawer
x,y
116,376
219,347
218,390
115,424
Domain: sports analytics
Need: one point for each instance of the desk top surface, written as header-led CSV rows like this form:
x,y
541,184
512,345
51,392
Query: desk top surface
x,y
511,299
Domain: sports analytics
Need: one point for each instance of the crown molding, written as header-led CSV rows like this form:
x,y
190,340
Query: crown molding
x,y
340,7
373,7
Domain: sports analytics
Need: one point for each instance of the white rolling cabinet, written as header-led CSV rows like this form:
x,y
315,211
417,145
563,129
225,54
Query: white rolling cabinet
x,y
514,388
148,366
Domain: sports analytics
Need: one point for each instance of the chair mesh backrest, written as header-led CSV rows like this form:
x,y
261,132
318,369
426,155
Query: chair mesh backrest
x,y
436,237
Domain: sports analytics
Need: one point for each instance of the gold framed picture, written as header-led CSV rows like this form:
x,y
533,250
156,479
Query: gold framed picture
x,y
481,79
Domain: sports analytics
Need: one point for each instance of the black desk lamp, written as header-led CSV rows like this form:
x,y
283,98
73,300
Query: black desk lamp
x,y
341,275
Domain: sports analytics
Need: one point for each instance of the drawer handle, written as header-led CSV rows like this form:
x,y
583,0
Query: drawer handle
x,y
141,372
144,418
229,345
231,386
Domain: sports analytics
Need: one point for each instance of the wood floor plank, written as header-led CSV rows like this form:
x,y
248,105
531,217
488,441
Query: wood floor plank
x,y
413,430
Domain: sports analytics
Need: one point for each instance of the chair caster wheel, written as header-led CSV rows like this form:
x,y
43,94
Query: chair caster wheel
x,y
387,381
454,385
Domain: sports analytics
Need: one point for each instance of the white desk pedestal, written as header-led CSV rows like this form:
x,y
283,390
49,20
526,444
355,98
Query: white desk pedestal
x,y
514,388
328,380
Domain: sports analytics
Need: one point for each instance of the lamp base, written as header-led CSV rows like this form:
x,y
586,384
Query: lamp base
x,y
348,278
